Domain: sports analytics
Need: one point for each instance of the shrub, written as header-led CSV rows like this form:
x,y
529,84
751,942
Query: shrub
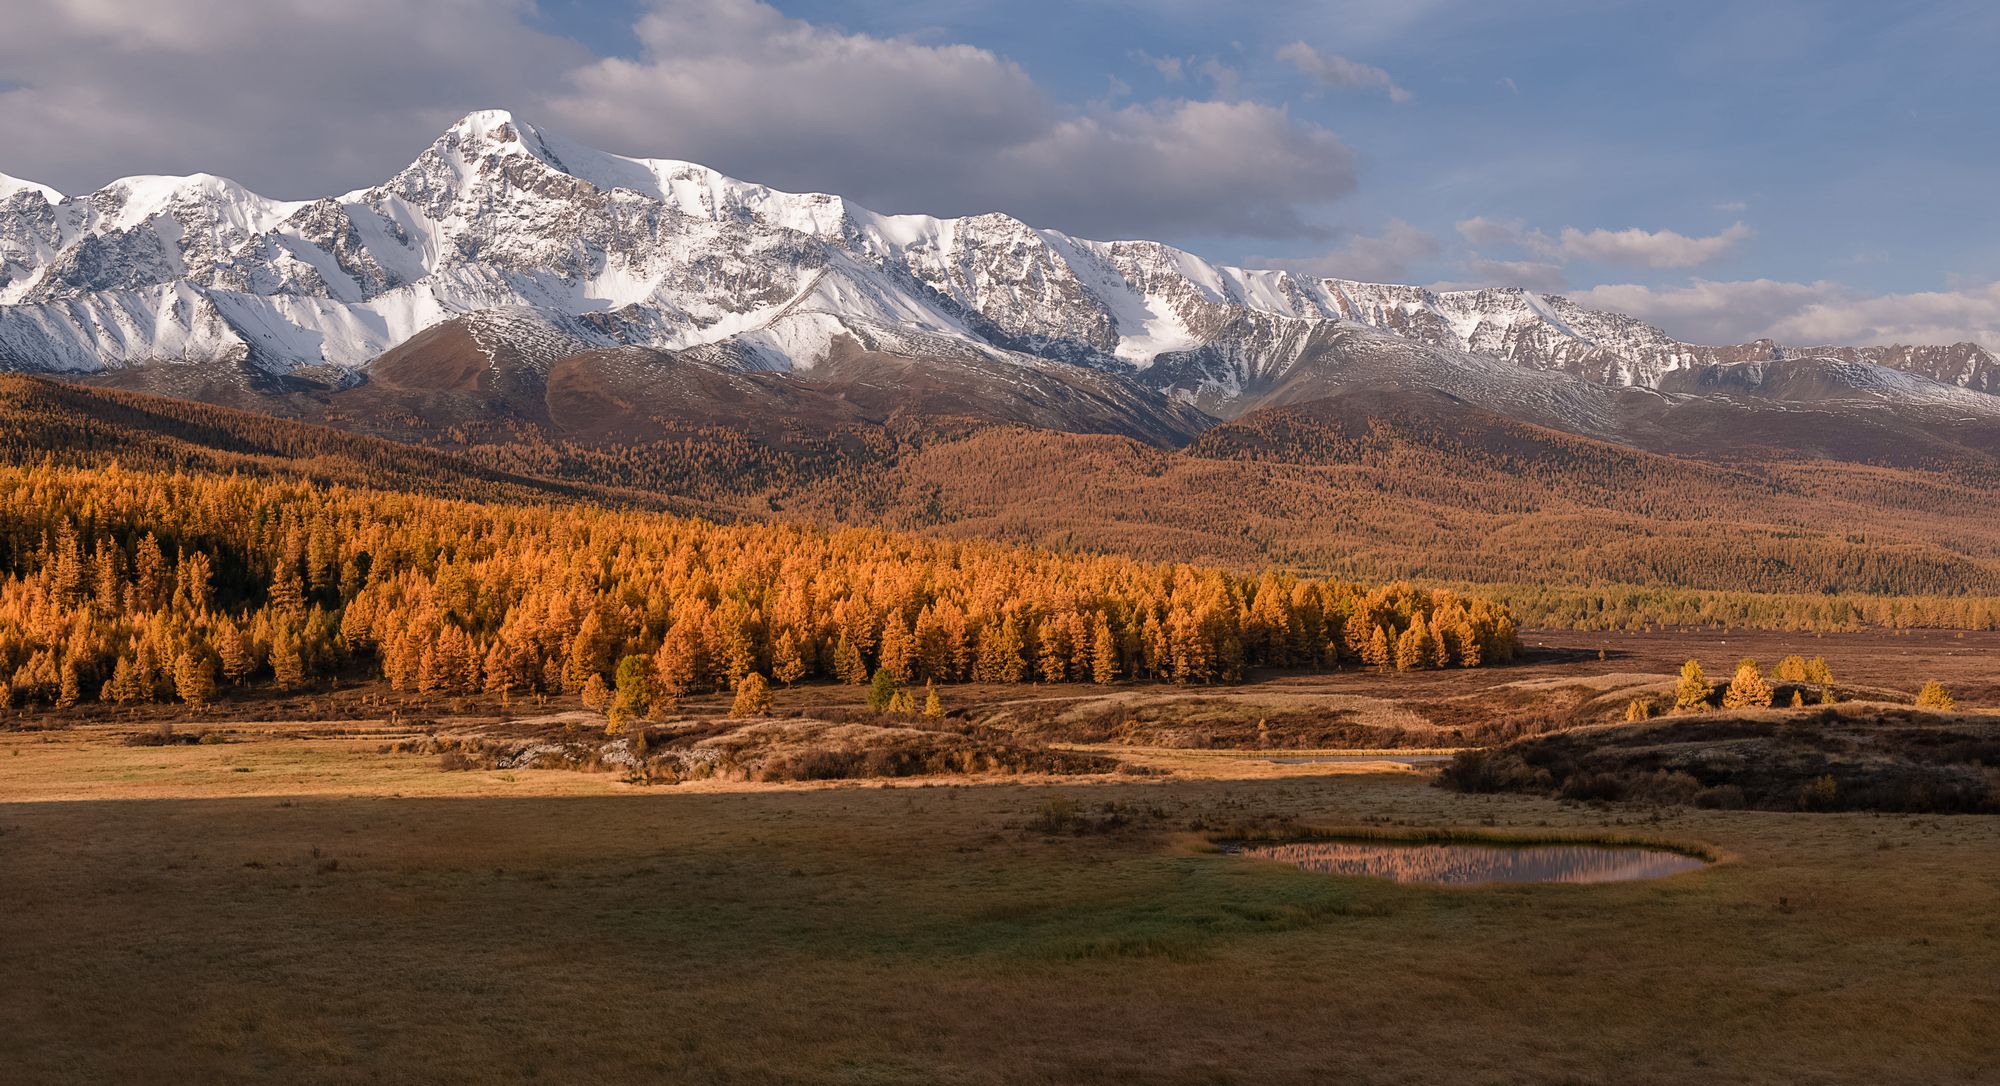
x,y
1490,771
1934,696
163,736
1641,709
1667,787
1059,815
1065,815
1593,787
1819,795
1721,797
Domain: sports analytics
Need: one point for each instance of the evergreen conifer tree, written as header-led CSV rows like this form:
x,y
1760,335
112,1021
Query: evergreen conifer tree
x,y
1692,692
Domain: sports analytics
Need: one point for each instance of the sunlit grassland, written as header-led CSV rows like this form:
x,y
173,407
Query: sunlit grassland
x,y
356,916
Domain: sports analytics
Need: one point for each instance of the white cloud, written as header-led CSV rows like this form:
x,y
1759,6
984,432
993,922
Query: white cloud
x,y
948,129
1171,69
301,98
1807,314
1635,247
1535,275
1651,248
1224,77
1480,230
1385,258
291,97
1338,71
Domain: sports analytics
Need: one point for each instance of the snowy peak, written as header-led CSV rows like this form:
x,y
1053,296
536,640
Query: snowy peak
x,y
11,187
495,131
500,215
131,202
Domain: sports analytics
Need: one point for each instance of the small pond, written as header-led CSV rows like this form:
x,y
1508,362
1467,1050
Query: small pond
x,y
1472,864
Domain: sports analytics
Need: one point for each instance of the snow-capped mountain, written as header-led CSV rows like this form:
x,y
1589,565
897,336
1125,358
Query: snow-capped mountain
x,y
608,251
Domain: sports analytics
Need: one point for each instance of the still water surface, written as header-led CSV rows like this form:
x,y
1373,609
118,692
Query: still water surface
x,y
1468,865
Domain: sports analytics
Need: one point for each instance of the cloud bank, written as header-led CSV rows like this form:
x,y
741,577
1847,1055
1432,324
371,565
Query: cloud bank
x,y
1807,314
897,124
1632,247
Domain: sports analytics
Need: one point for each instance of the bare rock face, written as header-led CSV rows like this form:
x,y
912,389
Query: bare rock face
x,y
571,246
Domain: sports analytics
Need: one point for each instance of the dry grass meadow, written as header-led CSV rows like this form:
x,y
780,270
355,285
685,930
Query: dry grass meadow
x,y
297,904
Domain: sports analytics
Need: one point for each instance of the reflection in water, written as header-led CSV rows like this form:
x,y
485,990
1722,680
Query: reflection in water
x,y
1464,865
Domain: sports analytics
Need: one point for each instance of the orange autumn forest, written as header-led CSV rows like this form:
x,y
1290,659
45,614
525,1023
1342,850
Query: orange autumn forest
x,y
137,586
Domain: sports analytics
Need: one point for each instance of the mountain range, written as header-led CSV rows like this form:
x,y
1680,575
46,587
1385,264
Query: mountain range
x,y
584,290
518,315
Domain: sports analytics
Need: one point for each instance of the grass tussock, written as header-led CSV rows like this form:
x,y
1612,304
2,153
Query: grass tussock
x,y
1063,815
1178,949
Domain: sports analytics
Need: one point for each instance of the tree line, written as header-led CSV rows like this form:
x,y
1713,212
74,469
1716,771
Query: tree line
x,y
133,586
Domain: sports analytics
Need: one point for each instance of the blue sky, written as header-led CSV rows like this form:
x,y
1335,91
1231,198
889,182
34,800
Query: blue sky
x,y
1813,171
1858,141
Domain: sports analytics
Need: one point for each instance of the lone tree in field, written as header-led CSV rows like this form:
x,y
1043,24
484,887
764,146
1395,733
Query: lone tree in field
x,y
1747,690
1791,669
882,690
1935,696
1691,694
1640,709
635,685
753,697
933,705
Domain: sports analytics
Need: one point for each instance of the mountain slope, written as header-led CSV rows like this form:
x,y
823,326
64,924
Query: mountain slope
x,y
43,421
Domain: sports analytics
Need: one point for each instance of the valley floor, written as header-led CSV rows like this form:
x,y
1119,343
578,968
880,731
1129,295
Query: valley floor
x,y
297,904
